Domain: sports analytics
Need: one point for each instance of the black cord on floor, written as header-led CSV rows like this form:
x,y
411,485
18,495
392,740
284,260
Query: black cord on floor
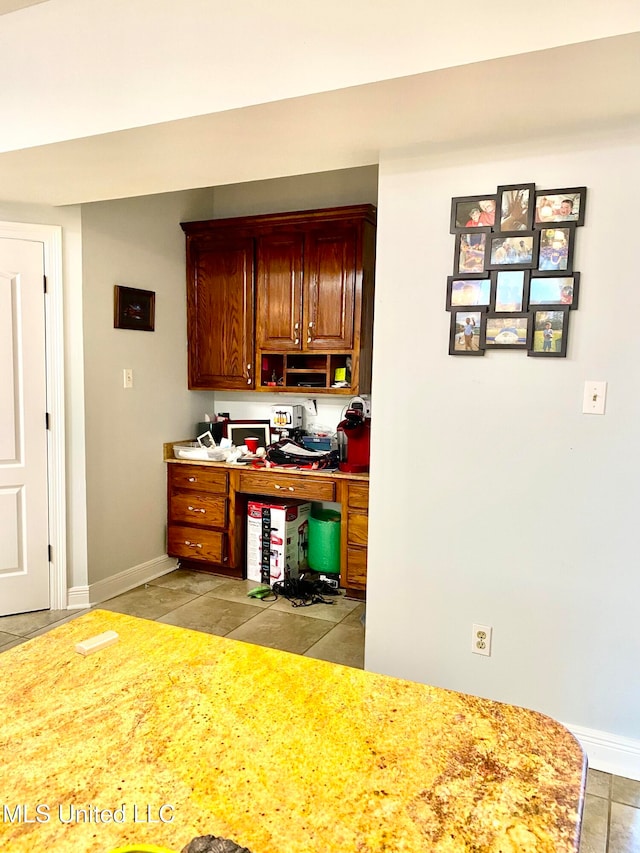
x,y
303,593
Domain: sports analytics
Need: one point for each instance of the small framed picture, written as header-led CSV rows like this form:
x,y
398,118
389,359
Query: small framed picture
x,y
468,292
470,253
516,250
550,330
238,431
472,211
548,291
510,291
508,331
561,205
467,330
556,249
134,309
516,207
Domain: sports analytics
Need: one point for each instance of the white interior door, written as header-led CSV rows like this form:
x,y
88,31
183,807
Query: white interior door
x,y
24,535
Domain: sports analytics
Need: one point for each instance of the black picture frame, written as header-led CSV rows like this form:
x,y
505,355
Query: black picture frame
x,y
546,266
576,195
457,345
519,287
133,308
539,295
481,285
513,240
507,326
515,205
471,262
559,320
461,208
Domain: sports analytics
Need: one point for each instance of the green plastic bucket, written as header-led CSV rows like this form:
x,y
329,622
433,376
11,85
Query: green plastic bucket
x,y
324,541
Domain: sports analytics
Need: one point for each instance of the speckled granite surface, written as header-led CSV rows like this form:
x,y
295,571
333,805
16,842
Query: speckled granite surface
x,y
281,753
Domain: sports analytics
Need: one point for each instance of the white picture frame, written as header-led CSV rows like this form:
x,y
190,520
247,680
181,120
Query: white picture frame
x,y
237,431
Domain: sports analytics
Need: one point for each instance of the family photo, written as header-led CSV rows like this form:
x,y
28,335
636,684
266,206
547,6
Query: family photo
x,y
561,205
549,333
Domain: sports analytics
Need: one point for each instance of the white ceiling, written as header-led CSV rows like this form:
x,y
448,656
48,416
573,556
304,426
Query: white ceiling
x,y
589,87
7,6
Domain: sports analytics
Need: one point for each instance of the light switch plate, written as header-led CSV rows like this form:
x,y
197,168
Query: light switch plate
x,y
595,397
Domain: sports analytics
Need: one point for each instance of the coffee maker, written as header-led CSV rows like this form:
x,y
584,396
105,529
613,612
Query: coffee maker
x,y
354,438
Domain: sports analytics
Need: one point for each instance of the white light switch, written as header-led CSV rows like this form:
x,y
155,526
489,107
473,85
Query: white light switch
x,y
127,377
595,396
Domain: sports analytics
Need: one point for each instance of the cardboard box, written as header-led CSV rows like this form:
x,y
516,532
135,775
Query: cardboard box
x,y
277,536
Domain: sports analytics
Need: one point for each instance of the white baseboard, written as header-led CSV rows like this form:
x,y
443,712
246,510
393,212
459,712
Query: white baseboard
x,y
610,753
84,596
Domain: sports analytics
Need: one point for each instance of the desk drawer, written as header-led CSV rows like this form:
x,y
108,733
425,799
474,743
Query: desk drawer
x,y
287,486
356,574
359,496
357,528
194,543
193,508
198,477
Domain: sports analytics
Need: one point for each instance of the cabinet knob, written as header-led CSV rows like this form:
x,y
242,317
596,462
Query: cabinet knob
x,y
276,486
297,341
296,325
195,509
192,479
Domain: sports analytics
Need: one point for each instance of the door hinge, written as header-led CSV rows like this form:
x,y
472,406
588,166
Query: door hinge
x,y
50,549
47,420
44,279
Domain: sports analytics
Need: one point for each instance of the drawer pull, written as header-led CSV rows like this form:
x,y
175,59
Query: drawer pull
x,y
192,479
192,544
195,509
276,486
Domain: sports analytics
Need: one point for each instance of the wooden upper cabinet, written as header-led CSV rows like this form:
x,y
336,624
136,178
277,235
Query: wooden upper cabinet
x,y
331,273
282,301
279,275
220,288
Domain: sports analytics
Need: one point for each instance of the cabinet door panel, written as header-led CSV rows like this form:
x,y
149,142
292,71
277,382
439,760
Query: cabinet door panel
x,y
279,261
330,288
220,313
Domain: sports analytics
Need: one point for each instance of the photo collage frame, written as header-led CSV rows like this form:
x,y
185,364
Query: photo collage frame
x,y
513,284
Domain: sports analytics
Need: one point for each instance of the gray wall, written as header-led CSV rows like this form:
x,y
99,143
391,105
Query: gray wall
x,y
493,498
135,242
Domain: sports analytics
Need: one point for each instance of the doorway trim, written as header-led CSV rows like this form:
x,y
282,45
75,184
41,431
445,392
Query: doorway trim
x,y
51,238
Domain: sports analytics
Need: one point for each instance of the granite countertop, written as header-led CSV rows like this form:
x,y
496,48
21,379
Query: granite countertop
x,y
170,734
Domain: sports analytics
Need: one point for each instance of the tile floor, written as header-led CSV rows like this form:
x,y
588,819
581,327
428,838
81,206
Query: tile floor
x,y
218,605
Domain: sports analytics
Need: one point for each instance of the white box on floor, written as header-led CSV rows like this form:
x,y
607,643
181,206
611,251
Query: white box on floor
x,y
277,536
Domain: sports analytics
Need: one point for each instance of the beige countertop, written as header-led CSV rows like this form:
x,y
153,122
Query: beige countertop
x,y
180,734
168,456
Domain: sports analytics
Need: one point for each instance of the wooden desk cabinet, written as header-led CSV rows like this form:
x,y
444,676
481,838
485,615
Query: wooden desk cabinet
x,y
207,507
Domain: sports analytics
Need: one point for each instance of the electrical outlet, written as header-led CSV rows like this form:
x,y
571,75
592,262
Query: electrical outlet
x,y
127,377
481,640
